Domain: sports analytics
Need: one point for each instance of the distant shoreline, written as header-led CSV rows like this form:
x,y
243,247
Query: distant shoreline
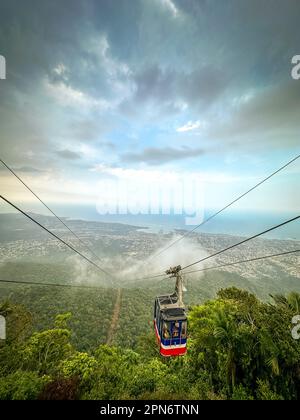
x,y
290,234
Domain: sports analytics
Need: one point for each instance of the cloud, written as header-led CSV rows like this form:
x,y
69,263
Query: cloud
x,y
66,95
162,92
189,126
28,169
68,154
270,115
170,6
183,251
156,174
94,71
24,169
92,129
157,156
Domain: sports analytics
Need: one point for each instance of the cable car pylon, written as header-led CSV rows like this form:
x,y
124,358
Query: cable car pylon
x,y
176,272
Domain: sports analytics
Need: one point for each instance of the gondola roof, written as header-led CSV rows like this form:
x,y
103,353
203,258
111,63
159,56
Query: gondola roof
x,y
174,314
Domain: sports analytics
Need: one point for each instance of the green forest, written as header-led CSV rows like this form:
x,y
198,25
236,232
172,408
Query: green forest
x,y
239,348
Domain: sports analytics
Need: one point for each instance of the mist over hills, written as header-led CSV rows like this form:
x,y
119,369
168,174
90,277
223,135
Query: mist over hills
x,y
29,254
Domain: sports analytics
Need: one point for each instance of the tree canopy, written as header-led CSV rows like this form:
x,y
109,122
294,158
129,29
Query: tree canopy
x,y
239,348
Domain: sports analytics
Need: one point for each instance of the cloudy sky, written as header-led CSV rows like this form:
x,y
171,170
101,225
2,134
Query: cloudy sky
x,y
105,89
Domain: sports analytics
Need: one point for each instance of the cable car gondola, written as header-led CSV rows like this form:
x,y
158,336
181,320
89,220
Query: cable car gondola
x,y
170,320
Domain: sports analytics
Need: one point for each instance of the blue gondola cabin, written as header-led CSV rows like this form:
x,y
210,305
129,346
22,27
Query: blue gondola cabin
x,y
170,323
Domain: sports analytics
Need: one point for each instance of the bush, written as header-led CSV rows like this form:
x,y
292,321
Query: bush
x,y
80,364
22,385
265,393
61,389
241,393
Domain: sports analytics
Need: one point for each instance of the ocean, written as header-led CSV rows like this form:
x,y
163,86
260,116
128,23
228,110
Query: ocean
x,y
233,222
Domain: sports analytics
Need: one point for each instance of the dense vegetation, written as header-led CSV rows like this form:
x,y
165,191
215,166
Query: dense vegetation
x,y
92,309
239,348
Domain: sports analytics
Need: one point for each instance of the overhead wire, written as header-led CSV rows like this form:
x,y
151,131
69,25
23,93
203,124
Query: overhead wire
x,y
37,283
243,241
157,275
227,248
243,261
23,282
224,208
51,211
55,236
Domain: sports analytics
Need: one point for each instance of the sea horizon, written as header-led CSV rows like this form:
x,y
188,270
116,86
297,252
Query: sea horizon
x,y
233,222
